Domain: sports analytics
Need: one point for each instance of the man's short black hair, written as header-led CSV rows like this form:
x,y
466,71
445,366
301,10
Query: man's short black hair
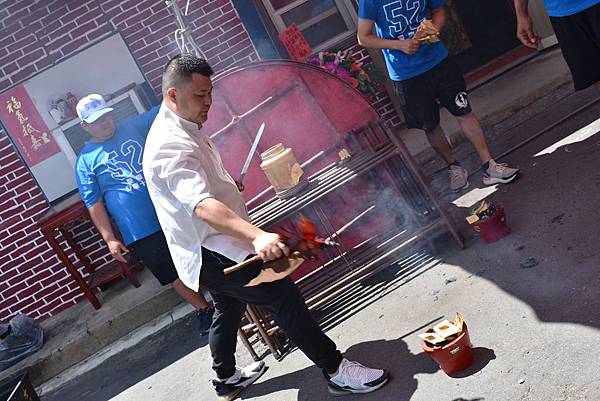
x,y
180,68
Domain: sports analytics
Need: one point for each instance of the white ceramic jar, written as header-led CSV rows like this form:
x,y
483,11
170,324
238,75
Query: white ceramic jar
x,y
281,167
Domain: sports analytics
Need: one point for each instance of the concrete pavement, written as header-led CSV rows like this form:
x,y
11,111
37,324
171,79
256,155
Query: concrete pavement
x,y
534,330
78,333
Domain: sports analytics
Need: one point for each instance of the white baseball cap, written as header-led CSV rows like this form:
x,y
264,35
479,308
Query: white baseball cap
x,y
91,108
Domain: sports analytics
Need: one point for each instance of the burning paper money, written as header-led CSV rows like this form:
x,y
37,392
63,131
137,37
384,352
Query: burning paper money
x,y
303,243
444,332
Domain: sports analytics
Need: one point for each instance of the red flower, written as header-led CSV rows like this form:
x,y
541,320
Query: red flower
x,y
353,81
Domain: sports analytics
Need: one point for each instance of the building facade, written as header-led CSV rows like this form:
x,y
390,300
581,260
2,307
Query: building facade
x,y
51,47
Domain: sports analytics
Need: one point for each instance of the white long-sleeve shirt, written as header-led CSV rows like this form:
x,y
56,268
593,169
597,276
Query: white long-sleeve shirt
x,y
182,167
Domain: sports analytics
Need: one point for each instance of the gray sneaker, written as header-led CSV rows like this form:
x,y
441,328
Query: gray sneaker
x,y
243,377
459,178
354,378
499,173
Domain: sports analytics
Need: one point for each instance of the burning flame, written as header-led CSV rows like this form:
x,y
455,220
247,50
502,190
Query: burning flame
x,y
306,241
307,229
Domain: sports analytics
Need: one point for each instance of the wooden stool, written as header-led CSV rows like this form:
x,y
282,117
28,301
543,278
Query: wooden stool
x,y
58,220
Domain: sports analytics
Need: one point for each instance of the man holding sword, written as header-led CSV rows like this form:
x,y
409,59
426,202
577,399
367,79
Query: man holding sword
x,y
207,228
110,181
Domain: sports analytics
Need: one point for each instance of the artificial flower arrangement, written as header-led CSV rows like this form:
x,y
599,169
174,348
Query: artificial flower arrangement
x,y
363,77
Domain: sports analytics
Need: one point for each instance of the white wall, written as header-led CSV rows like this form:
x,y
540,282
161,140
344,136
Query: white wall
x,y
55,175
103,68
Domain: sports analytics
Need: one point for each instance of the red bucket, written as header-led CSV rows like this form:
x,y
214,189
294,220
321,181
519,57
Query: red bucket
x,y
493,228
452,357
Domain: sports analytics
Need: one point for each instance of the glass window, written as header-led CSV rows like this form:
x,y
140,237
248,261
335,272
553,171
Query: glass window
x,y
278,4
330,27
308,10
324,23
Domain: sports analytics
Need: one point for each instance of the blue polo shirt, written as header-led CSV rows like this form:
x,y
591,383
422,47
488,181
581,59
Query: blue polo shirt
x,y
399,19
112,170
563,8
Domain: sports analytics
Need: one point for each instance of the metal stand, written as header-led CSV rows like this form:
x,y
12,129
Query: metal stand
x,y
375,152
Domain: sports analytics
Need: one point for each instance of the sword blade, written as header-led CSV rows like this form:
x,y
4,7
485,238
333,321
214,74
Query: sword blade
x,y
251,153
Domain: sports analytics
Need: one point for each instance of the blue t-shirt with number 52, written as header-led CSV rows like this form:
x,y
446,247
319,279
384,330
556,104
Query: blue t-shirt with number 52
x,y
399,19
563,8
112,170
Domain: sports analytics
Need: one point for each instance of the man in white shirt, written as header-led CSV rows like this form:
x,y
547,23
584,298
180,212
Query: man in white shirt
x,y
205,221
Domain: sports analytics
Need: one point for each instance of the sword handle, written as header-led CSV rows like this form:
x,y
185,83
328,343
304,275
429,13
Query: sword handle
x,y
241,265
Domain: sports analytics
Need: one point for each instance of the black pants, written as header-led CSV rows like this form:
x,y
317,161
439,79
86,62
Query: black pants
x,y
579,38
421,96
283,300
153,251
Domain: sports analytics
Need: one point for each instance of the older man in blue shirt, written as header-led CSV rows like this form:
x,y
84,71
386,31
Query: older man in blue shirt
x,y
111,183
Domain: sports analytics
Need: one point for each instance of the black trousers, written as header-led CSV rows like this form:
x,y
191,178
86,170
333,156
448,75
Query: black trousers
x,y
579,38
283,300
153,250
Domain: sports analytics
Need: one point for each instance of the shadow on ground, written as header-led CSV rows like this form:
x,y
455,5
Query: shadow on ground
x,y
553,214
99,384
392,355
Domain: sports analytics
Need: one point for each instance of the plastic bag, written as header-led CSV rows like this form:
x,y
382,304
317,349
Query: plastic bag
x,y
21,337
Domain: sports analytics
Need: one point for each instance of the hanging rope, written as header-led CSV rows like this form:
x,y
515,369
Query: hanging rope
x,y
183,35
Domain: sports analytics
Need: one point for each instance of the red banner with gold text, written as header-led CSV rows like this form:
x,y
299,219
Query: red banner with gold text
x,y
26,127
295,43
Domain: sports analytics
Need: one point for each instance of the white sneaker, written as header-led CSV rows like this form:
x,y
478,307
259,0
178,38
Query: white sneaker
x,y
459,178
499,173
354,378
242,378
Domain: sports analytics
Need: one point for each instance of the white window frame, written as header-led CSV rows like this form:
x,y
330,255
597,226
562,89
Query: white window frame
x,y
345,8
62,140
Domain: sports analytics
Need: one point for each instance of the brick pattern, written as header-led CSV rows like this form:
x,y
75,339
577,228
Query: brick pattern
x,y
382,102
34,34
32,281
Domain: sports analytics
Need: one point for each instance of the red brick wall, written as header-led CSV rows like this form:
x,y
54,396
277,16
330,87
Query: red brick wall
x,y
36,34
33,36
20,202
382,102
31,279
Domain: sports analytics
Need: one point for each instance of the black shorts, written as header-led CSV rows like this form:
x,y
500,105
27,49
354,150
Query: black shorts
x,y
579,39
153,251
420,97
